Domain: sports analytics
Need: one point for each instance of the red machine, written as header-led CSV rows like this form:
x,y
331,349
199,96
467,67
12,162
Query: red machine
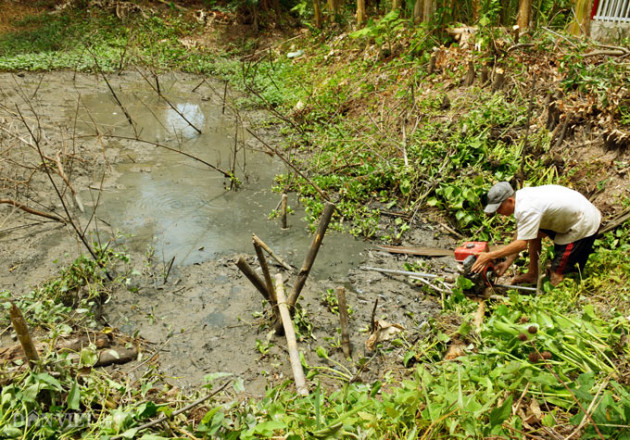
x,y
470,248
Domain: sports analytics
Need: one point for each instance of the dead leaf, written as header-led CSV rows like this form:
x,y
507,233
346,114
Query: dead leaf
x,y
455,350
383,331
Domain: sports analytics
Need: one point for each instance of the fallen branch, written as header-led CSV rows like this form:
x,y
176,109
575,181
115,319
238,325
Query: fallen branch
x,y
33,211
617,52
273,299
479,314
294,356
175,413
614,223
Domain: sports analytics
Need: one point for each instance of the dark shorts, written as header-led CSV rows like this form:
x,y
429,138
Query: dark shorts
x,y
568,256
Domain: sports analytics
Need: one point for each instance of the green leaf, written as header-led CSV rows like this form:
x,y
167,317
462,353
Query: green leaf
x,y
146,410
321,352
464,283
51,382
408,356
465,328
87,358
268,428
501,413
74,397
152,437
130,433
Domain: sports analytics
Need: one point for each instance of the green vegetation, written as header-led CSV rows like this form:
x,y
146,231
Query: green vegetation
x,y
379,130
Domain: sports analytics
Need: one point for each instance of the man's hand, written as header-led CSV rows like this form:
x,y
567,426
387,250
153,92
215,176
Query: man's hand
x,y
502,267
483,259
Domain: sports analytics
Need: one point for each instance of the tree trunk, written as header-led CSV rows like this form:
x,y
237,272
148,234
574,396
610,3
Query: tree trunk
x,y
333,7
582,19
418,9
476,9
318,14
429,10
361,15
524,9
396,4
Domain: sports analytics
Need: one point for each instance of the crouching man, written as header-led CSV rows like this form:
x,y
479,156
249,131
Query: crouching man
x,y
553,211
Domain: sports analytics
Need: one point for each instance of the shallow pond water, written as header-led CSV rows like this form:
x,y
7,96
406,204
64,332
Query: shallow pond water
x,y
180,206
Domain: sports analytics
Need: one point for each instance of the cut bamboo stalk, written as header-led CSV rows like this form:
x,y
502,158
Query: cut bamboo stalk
x,y
271,253
283,211
267,276
329,209
324,220
253,277
294,356
479,314
499,80
343,322
21,328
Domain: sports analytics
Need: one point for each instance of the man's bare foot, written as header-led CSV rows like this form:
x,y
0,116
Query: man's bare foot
x,y
525,278
556,278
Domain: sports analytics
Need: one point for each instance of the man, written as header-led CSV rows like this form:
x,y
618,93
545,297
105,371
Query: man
x,y
553,211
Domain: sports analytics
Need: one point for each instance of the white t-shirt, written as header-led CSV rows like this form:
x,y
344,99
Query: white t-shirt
x,y
556,208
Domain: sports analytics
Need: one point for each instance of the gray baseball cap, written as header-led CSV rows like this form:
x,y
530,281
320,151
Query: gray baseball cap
x,y
497,195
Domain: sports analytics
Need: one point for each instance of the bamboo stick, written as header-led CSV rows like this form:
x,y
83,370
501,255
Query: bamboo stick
x,y
329,209
21,328
478,316
253,277
324,220
267,276
343,322
271,253
283,211
294,356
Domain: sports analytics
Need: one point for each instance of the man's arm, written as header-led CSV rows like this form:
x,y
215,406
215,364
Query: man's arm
x,y
484,258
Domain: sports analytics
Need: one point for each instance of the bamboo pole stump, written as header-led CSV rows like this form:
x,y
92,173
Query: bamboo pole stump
x,y
24,336
343,322
283,211
294,356
329,209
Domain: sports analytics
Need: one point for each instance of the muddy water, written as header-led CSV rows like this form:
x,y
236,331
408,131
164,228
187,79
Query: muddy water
x,y
180,206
